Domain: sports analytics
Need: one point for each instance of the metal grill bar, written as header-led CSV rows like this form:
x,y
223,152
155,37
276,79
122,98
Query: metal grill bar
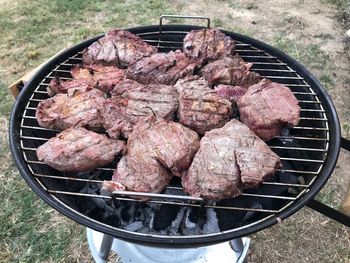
x,y
168,187
272,147
164,202
300,101
48,129
297,148
297,171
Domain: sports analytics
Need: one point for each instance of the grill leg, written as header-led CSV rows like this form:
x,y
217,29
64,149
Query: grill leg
x,y
100,245
240,249
106,246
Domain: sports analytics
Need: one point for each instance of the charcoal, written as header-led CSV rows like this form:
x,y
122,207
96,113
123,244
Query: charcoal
x,y
164,216
228,219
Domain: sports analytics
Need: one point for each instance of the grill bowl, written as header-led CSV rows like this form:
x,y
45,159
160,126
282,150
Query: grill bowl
x,y
319,131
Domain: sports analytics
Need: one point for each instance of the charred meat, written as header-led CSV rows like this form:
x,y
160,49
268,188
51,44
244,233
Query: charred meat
x,y
92,76
162,68
77,150
267,107
231,71
157,149
208,44
131,100
78,108
231,93
228,159
117,48
200,108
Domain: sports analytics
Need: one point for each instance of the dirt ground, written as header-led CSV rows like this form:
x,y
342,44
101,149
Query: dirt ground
x,y
311,32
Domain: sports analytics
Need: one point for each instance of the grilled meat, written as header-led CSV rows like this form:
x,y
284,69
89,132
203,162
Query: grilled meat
x,y
117,48
162,68
157,148
79,107
106,78
131,100
231,93
200,108
77,150
92,76
231,71
267,107
208,44
56,85
228,157
148,176
115,120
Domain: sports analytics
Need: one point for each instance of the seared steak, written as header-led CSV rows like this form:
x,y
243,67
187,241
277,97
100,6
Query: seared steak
x,y
77,150
162,68
267,107
231,93
228,157
106,78
79,107
115,120
200,108
148,176
208,44
157,148
131,100
92,76
56,85
231,71
117,48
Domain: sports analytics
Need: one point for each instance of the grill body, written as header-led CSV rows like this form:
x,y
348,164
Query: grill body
x,y
318,137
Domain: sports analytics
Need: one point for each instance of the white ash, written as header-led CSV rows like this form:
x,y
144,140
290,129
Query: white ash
x,y
134,226
212,225
175,225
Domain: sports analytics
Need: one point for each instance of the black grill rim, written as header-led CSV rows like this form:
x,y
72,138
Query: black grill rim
x,y
169,241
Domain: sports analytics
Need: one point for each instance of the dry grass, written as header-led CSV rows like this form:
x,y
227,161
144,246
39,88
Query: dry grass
x,y
32,31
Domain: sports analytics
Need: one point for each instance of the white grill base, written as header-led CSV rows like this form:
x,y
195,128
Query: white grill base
x,y
229,252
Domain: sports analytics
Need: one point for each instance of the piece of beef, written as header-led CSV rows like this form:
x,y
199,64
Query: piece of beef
x,y
145,176
78,150
56,85
231,93
200,108
115,120
79,107
267,107
228,157
107,77
131,100
208,44
157,148
162,68
117,48
91,76
231,71
80,72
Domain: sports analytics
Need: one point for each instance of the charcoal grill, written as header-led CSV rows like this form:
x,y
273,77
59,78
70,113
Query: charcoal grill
x,y
308,151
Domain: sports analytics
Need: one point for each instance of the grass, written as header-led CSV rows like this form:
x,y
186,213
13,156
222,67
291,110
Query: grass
x,y
32,31
311,56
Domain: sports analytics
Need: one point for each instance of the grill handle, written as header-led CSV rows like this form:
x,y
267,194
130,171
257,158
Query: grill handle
x,y
181,17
